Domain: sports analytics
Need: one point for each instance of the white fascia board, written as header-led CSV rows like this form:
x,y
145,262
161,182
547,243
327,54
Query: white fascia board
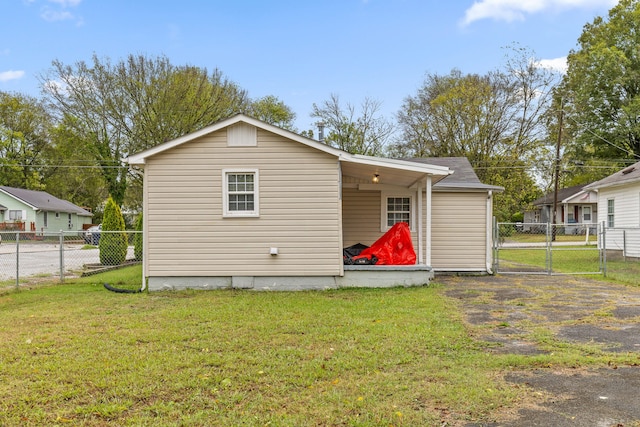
x,y
19,200
397,164
140,158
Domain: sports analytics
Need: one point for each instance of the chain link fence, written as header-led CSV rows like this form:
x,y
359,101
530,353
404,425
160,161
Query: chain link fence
x,y
548,248
28,256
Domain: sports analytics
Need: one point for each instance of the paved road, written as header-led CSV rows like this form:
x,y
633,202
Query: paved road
x,y
40,259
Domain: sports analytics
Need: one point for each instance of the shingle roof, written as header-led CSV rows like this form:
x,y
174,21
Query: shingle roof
x,y
463,174
44,201
564,193
625,176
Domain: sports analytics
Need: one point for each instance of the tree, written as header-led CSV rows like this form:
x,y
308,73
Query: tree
x,y
72,172
364,133
601,90
113,240
495,120
25,126
135,104
271,110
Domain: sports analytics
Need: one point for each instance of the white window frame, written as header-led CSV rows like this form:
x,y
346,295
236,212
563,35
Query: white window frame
x,y
584,219
383,209
611,213
16,215
228,213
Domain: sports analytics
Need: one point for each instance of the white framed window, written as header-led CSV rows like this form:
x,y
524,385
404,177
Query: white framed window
x,y
46,219
240,193
611,212
15,215
586,214
397,208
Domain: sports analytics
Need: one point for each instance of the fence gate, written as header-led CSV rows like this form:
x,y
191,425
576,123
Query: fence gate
x,y
535,248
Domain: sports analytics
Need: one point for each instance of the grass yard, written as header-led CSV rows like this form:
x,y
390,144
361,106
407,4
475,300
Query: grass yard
x,y
568,259
77,354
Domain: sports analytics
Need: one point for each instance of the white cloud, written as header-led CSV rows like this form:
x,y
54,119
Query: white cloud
x,y
66,3
55,15
516,10
555,64
5,76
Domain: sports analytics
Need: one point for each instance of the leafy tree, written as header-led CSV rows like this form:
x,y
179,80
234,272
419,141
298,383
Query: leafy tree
x,y
113,240
271,110
495,120
72,172
364,133
601,90
25,127
135,104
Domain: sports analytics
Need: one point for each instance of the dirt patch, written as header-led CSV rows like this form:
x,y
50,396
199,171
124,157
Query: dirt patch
x,y
507,310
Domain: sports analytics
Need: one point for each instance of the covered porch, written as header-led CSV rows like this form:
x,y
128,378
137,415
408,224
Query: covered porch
x,y
376,194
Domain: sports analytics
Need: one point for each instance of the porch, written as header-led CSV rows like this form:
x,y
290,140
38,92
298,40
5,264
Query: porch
x,y
384,276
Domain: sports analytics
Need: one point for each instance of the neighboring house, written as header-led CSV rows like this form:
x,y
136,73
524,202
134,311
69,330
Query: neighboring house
x,y
619,209
39,211
575,205
245,204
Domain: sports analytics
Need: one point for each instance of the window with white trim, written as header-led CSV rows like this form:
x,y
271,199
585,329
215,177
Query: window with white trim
x,y
610,213
15,215
397,208
240,193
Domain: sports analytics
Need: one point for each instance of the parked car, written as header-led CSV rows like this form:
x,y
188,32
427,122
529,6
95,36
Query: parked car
x,y
92,235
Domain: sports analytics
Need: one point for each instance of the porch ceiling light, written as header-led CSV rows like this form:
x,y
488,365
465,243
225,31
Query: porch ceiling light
x,y
376,178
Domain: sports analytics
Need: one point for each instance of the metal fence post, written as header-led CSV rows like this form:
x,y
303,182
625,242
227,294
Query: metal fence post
x,y
496,236
61,256
604,248
550,234
17,259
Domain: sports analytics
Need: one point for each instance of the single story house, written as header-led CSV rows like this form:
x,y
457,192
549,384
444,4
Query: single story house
x,y
245,204
39,211
576,207
619,209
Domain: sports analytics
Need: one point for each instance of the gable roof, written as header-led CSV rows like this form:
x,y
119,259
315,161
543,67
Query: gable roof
x,y
357,164
627,175
41,200
563,194
463,177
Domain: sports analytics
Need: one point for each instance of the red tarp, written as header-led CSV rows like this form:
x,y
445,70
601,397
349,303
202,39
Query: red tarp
x,y
393,248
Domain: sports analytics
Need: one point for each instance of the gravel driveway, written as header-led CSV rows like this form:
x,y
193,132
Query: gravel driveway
x,y
506,308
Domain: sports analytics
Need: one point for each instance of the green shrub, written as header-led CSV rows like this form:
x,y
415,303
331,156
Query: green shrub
x,y
137,239
113,239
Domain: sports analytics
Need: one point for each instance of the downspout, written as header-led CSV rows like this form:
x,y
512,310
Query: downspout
x,y
428,225
420,223
489,233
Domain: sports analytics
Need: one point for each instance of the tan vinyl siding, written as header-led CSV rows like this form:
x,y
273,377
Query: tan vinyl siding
x,y
360,216
299,210
459,231
361,210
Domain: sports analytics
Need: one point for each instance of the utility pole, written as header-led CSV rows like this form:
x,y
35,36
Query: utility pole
x,y
557,173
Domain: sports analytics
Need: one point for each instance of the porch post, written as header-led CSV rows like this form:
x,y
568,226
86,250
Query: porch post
x,y
427,260
420,223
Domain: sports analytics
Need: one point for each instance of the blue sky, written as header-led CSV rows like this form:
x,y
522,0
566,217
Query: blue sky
x,y
300,51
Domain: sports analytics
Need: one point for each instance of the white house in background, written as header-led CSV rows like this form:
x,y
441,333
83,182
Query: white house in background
x,y
619,209
574,205
39,211
245,204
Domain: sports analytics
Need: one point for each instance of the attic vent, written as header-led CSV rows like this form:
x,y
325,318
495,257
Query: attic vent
x,y
628,170
242,135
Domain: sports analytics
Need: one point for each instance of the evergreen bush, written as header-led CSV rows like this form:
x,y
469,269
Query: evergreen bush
x,y
113,239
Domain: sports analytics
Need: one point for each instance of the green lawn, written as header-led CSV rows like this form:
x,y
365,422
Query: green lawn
x,y
578,259
77,354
